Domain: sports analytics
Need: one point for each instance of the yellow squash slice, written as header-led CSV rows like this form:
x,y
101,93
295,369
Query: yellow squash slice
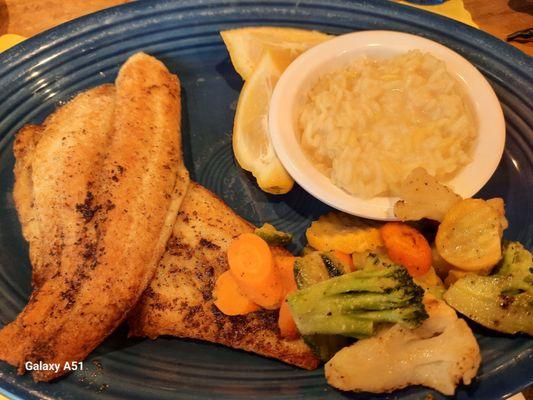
x,y
343,232
469,237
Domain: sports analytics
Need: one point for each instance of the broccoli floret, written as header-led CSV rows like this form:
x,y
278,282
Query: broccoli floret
x,y
272,236
502,301
355,304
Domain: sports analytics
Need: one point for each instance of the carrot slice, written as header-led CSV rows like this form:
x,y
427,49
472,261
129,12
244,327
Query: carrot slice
x,y
252,265
346,259
285,266
407,246
287,326
279,251
228,297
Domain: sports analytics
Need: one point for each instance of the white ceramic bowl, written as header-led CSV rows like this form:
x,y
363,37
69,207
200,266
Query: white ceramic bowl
x,y
340,51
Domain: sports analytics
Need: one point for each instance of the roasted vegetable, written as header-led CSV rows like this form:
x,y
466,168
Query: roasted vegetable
x,y
307,250
318,266
442,267
285,266
423,197
252,265
407,246
228,297
454,275
498,205
356,303
286,325
325,346
439,354
431,283
335,265
309,270
345,259
470,235
502,301
370,259
343,232
272,236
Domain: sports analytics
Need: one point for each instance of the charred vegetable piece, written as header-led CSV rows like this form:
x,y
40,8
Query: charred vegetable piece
x,y
502,301
370,260
345,260
272,236
355,304
334,265
309,270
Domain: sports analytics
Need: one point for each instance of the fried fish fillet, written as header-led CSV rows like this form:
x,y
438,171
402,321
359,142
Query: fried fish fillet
x,y
23,148
55,163
109,256
178,301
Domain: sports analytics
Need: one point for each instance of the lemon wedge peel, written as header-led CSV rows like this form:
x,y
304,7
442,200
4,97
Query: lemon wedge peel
x,y
251,141
260,55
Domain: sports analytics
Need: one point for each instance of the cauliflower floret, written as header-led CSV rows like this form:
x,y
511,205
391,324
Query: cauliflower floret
x,y
423,196
439,354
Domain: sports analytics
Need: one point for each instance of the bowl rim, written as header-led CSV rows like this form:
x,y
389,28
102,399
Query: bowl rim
x,y
308,66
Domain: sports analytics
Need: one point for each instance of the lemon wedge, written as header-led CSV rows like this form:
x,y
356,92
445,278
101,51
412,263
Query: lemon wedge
x,y
251,142
247,46
260,55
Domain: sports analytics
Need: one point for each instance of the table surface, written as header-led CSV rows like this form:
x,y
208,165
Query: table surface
x,y
29,17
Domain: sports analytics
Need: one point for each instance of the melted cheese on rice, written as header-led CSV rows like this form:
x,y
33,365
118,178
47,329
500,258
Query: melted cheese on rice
x,y
369,125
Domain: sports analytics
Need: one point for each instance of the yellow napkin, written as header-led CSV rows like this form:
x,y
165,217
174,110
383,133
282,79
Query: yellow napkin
x,y
7,41
454,9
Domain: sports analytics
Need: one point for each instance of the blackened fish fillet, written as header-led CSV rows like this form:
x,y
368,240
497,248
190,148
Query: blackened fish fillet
x,y
55,163
125,218
178,301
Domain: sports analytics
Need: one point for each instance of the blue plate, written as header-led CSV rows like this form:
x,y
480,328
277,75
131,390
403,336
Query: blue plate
x,y
49,69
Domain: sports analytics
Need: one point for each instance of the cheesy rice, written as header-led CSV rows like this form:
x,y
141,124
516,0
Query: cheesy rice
x,y
368,125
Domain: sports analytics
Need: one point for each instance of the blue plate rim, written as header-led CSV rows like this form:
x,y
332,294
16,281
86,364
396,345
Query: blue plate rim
x,y
34,45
